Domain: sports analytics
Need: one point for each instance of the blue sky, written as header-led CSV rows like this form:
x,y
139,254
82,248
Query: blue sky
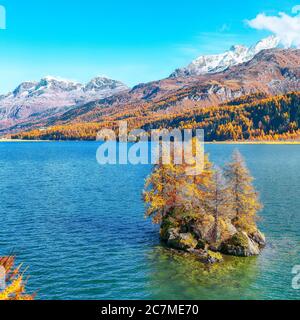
x,y
132,41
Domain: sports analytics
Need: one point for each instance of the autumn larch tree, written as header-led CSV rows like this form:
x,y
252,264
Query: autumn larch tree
x,y
218,204
244,198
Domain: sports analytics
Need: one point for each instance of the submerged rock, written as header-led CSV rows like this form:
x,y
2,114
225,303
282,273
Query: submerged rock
x,y
207,256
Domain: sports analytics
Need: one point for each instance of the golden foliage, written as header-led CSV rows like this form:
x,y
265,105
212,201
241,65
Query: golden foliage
x,y
15,284
244,198
215,198
253,117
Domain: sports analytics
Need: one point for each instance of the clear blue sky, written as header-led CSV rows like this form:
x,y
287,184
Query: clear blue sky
x,y
132,41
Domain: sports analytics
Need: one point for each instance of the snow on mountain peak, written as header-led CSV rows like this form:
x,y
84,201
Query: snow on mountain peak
x,y
238,48
25,87
266,43
101,82
219,62
54,92
56,83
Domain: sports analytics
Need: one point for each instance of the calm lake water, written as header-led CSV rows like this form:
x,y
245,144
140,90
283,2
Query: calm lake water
x,y
80,229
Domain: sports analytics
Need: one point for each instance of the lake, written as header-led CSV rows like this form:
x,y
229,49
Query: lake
x,y
79,227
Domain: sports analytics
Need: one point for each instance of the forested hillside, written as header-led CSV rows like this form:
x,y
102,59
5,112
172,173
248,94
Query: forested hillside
x,y
271,73
253,117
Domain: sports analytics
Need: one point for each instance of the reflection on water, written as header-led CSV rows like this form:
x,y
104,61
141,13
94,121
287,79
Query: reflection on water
x,y
182,276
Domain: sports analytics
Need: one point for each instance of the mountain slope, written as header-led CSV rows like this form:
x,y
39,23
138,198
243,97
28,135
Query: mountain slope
x,y
270,72
273,118
52,95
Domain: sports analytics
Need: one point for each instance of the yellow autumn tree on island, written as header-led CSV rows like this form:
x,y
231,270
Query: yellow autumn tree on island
x,y
244,198
207,214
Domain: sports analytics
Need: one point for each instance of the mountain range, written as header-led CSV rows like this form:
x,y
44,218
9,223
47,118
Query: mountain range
x,y
235,55
264,69
53,95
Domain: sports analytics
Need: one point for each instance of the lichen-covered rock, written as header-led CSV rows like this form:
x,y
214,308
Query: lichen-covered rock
x,y
259,238
182,241
213,257
201,228
170,235
230,229
240,245
168,226
198,237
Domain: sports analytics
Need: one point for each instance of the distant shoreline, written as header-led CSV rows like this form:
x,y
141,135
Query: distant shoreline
x,y
21,140
207,142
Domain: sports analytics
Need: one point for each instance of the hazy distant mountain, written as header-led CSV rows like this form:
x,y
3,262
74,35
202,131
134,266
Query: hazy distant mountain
x,y
235,55
51,93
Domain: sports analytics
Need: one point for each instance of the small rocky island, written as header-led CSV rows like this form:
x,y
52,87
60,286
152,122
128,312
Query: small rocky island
x,y
209,214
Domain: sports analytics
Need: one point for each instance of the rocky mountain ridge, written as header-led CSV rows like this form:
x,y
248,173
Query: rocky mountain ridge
x,y
53,95
271,72
237,54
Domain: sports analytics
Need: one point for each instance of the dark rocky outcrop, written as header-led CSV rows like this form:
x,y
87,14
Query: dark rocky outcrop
x,y
194,237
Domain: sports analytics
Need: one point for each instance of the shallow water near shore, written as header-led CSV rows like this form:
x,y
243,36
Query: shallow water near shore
x,y
80,228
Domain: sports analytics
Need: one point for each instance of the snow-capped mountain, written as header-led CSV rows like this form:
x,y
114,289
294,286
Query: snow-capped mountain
x,y
235,55
33,97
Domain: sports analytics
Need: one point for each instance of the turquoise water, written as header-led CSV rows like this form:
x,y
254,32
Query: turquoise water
x,y
79,227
